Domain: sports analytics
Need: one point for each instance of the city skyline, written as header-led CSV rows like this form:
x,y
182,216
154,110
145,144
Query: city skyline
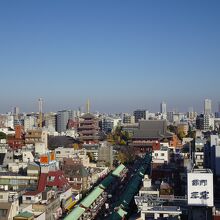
x,y
83,107
121,55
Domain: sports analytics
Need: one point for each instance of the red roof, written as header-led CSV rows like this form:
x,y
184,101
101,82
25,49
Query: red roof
x,y
42,182
53,178
33,193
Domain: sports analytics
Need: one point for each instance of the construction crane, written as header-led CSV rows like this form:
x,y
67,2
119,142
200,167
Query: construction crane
x,y
40,106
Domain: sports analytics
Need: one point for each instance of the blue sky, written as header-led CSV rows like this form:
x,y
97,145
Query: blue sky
x,y
122,55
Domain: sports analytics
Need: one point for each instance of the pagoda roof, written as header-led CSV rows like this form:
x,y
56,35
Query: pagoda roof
x,y
88,116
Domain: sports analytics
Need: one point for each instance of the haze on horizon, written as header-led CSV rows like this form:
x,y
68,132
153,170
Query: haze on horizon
x,y
123,55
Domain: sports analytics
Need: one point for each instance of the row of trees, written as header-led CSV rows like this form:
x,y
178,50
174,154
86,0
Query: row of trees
x,y
126,154
119,137
180,133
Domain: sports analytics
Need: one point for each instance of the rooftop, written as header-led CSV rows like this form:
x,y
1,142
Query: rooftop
x,y
201,171
25,214
118,170
92,197
88,116
31,193
166,208
148,189
75,214
152,129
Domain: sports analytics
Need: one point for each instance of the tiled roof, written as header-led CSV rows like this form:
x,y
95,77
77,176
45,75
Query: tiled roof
x,y
88,116
31,193
118,170
75,214
107,181
76,170
25,214
92,197
152,129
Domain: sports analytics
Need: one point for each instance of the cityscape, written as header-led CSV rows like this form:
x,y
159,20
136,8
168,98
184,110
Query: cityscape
x,y
72,164
109,110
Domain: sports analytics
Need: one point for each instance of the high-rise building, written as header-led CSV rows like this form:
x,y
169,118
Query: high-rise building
x,y
170,116
141,114
208,106
203,122
163,108
30,122
16,111
128,119
217,114
191,114
107,124
50,121
62,120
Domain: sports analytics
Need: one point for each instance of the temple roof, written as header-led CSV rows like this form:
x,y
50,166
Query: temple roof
x,y
155,129
88,116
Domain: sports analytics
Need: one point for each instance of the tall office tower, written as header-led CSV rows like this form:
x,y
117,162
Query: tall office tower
x,y
50,121
141,114
163,108
62,120
207,106
170,116
217,114
16,110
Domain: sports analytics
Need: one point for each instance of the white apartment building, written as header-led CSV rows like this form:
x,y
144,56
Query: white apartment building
x,y
161,156
30,122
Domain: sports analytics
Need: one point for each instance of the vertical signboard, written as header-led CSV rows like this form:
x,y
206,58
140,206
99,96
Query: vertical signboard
x,y
200,188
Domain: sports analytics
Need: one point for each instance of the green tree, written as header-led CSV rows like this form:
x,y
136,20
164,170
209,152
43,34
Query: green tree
x,y
122,157
122,142
172,128
191,133
91,157
181,135
119,137
2,135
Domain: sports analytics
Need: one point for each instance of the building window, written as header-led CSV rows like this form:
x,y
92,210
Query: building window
x,y
28,198
3,212
51,178
162,154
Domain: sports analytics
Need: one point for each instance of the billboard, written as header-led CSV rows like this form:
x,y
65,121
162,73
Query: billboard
x,y
52,156
47,158
200,188
44,159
